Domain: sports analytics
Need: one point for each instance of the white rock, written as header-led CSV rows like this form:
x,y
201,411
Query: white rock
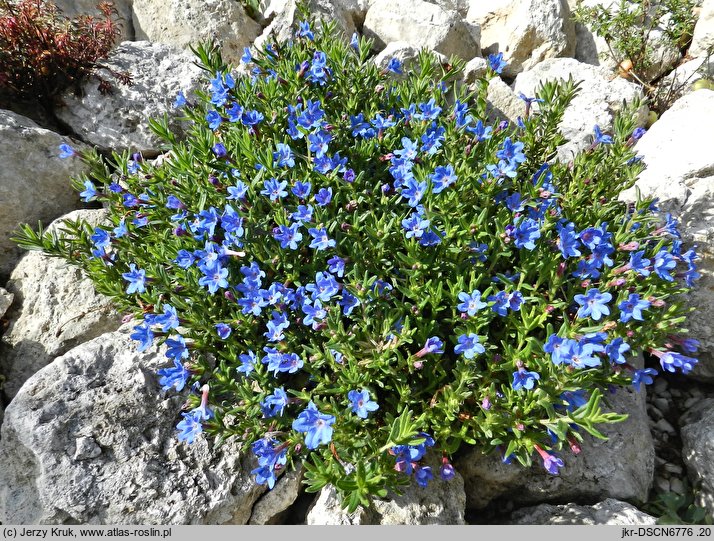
x,y
182,23
703,38
608,512
421,24
474,69
621,467
680,172
697,431
107,391
268,508
55,309
72,8
5,301
525,31
599,99
283,16
326,511
121,120
502,103
34,181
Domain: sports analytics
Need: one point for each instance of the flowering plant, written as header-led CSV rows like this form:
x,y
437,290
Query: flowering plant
x,y
349,268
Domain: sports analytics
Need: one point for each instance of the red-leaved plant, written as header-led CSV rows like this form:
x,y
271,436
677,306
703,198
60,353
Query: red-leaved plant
x,y
43,52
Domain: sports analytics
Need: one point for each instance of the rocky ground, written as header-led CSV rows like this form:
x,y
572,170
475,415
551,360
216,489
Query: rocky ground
x,y
87,437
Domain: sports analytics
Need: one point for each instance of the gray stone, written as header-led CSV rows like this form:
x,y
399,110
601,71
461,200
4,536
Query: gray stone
x,y
441,502
608,512
621,467
502,103
421,24
405,53
55,309
121,120
34,182
474,69
703,38
107,391
72,8
697,431
283,16
525,31
5,301
680,172
182,23
600,98
268,508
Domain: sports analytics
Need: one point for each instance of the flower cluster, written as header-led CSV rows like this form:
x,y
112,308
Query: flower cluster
x,y
367,274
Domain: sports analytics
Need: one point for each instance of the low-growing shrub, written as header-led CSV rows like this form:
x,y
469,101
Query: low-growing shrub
x,y
349,268
42,52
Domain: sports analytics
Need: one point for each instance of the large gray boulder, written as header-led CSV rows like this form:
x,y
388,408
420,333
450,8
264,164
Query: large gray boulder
x,y
680,172
621,467
609,512
121,120
90,440
600,98
55,309
269,508
182,23
422,25
525,31
34,182
697,431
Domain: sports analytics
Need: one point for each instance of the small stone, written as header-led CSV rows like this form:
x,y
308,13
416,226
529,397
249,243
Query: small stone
x,y
654,413
676,393
690,402
676,485
662,404
662,484
86,448
673,468
660,385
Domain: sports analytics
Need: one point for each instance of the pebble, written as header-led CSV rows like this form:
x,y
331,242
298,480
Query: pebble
x,y
676,393
662,404
691,402
660,385
662,484
673,468
676,485
654,413
664,426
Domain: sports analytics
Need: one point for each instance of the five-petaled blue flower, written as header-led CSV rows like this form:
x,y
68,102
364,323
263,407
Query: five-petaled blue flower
x,y
469,346
361,403
523,379
136,279
471,303
593,304
316,426
632,307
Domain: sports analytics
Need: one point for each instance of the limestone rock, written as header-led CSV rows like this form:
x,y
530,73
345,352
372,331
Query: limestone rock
x,y
680,172
55,309
90,440
441,502
282,17
697,431
34,182
421,24
502,103
703,38
608,512
72,8
474,69
267,509
525,31
181,23
5,301
599,99
121,120
621,467
405,53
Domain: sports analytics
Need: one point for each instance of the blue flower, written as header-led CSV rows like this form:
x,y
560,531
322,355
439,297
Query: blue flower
x,y
238,191
324,196
314,313
176,349
143,334
302,189
593,304
523,379
251,118
247,57
303,214
469,346
663,264
503,301
480,131
136,279
223,330
317,426
526,233
568,240
394,65
442,178
496,62
432,345
336,265
361,403
414,191
273,405
305,32
632,308
89,193
66,151
324,288
180,100
214,277
174,377
471,303
422,476
289,236
643,376
616,350
671,360
429,110
214,120
248,362
191,426
274,189
600,138
320,240
415,225
283,156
